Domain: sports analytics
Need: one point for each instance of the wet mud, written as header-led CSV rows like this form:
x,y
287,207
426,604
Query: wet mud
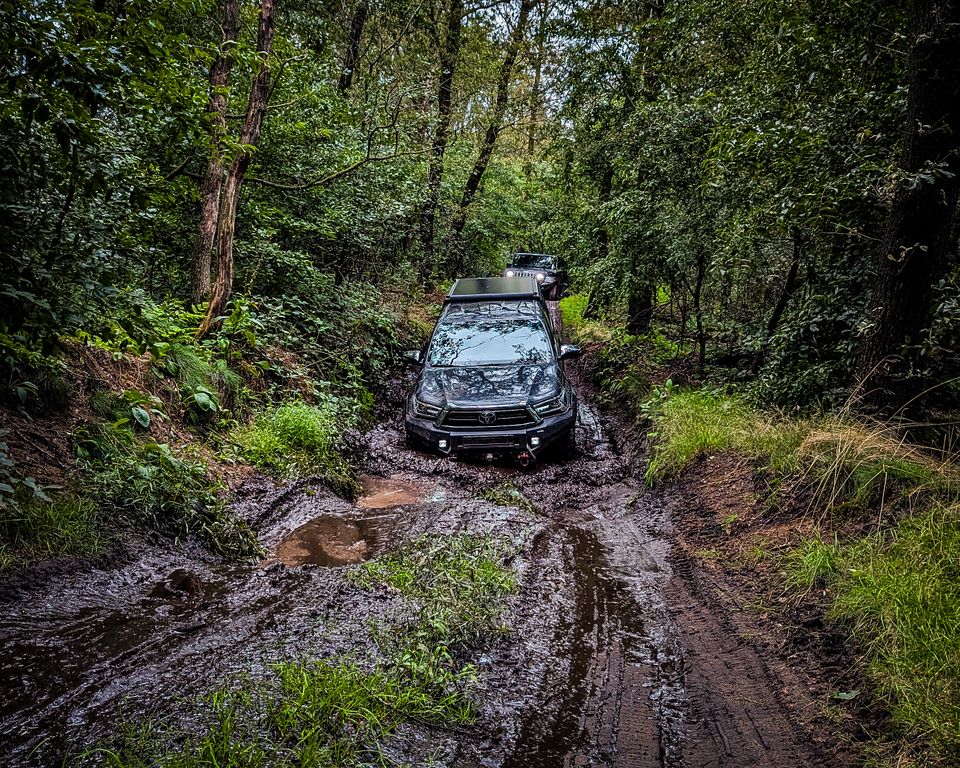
x,y
616,656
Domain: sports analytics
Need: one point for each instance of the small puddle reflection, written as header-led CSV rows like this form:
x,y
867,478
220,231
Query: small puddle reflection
x,y
330,541
385,492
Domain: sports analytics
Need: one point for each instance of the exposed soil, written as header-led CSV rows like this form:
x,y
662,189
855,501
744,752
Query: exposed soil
x,y
627,646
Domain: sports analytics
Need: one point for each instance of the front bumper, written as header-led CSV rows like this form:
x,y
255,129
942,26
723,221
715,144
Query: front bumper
x,y
532,438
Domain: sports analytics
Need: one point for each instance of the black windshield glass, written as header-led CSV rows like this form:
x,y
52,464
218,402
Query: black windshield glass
x,y
535,261
497,341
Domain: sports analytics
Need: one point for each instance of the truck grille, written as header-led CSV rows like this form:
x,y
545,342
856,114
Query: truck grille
x,y
480,418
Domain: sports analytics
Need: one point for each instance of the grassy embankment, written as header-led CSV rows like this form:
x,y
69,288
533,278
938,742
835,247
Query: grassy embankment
x,y
157,421
885,541
347,711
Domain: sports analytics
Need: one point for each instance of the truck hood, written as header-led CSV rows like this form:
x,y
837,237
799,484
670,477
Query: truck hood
x,y
489,385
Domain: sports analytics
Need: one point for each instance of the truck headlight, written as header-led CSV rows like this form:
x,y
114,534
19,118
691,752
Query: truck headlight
x,y
510,273
552,406
540,277
425,410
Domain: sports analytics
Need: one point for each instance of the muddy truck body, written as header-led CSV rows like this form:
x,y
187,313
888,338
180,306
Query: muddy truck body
x,y
491,379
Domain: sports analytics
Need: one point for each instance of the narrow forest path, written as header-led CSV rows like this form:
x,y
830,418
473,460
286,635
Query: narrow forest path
x,y
618,654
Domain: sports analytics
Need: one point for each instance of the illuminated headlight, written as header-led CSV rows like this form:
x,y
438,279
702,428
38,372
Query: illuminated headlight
x,y
426,410
554,405
540,277
510,273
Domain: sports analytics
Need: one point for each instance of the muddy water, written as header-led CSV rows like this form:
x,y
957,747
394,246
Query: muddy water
x,y
608,662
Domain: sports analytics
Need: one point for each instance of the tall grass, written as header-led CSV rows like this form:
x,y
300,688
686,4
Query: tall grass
x,y
691,423
65,524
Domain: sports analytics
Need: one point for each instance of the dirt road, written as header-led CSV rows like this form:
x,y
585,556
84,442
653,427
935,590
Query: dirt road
x,y
619,654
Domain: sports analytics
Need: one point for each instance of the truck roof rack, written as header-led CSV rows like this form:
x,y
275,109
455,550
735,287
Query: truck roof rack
x,y
493,288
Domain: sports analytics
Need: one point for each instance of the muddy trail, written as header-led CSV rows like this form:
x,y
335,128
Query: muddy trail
x,y
617,655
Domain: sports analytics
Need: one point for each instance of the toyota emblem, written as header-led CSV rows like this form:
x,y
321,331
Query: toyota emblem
x,y
488,417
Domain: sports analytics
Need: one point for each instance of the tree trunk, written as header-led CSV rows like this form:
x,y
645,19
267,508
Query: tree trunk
x,y
493,131
252,127
597,300
213,180
535,95
698,310
449,56
920,230
789,286
352,58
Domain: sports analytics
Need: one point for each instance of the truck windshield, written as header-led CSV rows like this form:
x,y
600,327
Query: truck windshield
x,y
494,341
535,261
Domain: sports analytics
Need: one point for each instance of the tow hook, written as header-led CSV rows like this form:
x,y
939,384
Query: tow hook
x,y
525,459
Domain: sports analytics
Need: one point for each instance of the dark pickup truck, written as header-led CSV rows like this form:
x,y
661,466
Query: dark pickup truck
x,y
491,379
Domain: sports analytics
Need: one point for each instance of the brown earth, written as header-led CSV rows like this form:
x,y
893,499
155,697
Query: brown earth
x,y
648,630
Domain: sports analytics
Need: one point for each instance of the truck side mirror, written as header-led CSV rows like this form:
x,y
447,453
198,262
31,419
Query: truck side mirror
x,y
413,357
569,351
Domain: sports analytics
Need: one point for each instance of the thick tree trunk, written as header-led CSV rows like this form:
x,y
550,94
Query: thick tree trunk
x,y
213,180
640,309
352,58
252,127
493,131
449,56
916,246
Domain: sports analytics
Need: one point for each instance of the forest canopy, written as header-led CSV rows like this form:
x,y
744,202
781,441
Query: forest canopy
x,y
771,185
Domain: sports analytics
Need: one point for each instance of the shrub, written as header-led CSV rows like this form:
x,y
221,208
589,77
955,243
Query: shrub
x,y
147,484
66,524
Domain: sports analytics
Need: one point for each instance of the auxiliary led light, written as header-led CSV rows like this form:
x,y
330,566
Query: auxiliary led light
x,y
534,441
442,445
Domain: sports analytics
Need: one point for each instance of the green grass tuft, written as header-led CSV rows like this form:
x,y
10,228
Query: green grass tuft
x,y
899,593
508,495
296,438
65,524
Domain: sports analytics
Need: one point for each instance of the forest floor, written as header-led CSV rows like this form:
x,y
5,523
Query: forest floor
x,y
644,632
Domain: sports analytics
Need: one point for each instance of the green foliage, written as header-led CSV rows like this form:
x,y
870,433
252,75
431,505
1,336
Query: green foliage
x,y
29,379
899,593
508,495
813,562
296,438
42,527
688,424
142,482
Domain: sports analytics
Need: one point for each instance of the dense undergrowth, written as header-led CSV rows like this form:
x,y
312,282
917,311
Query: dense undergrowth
x,y
283,386
344,711
884,512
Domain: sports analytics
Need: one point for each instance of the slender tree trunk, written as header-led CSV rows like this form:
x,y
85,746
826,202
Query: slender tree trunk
x,y
535,95
449,56
789,286
352,59
252,128
493,131
640,309
213,180
597,300
916,246
698,309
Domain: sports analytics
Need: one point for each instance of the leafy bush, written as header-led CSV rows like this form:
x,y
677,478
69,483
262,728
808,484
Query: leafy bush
x,y
296,438
30,379
147,484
